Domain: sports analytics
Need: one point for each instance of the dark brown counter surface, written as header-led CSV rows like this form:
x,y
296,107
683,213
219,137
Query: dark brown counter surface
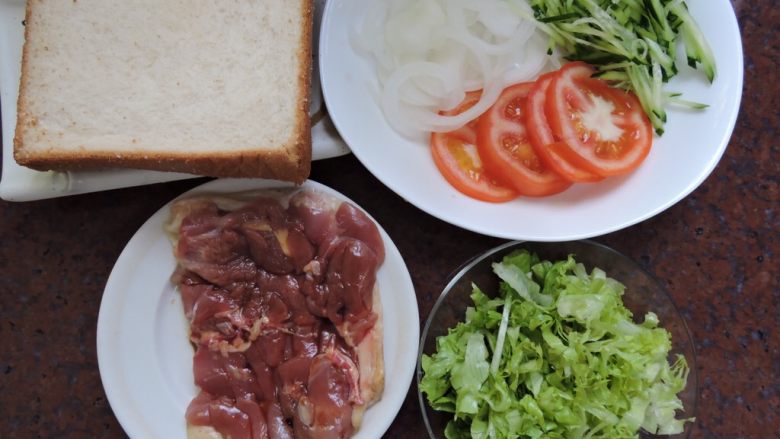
x,y
717,252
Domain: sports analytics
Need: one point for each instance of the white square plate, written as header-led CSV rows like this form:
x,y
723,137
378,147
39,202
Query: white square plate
x,y
23,184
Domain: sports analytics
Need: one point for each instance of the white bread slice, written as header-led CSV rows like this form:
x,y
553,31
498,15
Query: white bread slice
x,y
217,88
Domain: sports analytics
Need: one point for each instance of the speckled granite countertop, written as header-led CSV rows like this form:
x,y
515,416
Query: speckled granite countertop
x,y
717,252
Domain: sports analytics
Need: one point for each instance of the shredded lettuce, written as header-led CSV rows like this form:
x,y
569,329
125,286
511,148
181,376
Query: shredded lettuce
x,y
554,354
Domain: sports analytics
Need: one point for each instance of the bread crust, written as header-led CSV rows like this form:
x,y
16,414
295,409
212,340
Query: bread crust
x,y
22,118
290,161
277,165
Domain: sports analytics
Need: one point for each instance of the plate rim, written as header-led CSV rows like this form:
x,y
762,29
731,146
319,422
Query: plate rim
x,y
729,20
143,239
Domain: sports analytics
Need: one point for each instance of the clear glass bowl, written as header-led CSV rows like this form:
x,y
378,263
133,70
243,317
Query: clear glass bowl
x,y
643,293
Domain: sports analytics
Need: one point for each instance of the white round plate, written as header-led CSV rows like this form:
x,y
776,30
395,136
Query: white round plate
x,y
143,347
680,160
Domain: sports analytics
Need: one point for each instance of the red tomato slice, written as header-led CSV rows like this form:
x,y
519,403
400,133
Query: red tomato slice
x,y
603,129
504,146
542,138
461,166
468,132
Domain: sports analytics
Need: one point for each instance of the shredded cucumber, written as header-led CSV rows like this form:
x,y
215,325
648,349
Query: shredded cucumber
x,y
631,43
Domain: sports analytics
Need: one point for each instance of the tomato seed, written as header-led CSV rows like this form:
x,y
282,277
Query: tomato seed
x,y
514,109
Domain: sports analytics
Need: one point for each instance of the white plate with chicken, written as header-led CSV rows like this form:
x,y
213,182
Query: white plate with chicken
x,y
254,309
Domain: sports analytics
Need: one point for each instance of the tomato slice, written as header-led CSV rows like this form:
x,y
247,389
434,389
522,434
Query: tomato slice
x,y
604,130
456,156
460,165
504,146
468,132
542,138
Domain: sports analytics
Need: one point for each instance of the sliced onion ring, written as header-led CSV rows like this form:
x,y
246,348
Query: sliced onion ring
x,y
464,45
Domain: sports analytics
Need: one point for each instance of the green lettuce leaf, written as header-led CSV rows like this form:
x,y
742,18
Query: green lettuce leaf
x,y
554,354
